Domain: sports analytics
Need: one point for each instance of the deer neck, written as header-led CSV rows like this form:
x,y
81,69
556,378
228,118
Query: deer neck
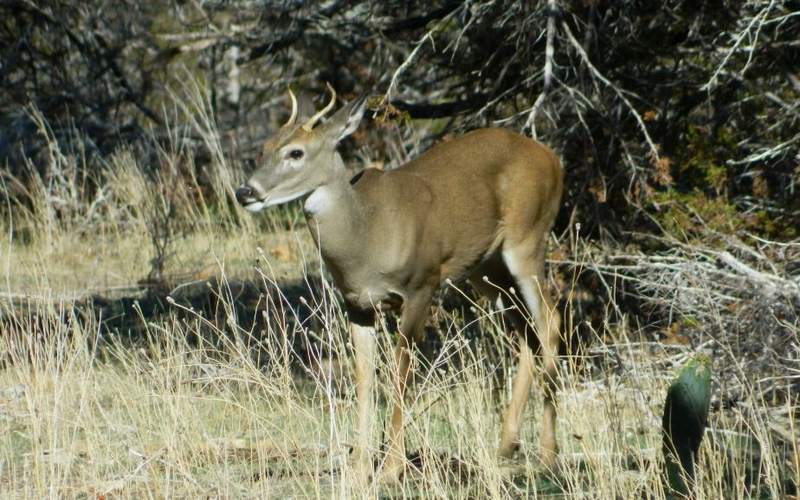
x,y
335,213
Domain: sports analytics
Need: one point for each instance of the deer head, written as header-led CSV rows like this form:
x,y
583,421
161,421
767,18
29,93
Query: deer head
x,y
300,158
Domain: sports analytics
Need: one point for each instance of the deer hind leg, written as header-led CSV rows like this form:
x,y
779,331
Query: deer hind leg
x,y
520,390
412,329
500,287
526,264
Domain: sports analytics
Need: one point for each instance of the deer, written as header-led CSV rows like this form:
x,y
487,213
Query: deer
x,y
477,208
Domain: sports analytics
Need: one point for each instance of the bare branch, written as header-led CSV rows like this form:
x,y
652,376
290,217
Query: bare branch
x,y
756,22
620,93
530,123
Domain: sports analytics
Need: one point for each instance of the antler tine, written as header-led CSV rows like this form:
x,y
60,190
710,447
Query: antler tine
x,y
292,118
307,126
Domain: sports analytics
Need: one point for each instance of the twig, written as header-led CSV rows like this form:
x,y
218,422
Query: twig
x,y
400,69
599,76
407,62
530,123
768,281
760,18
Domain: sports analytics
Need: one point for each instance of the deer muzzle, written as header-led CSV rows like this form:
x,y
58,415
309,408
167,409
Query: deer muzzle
x,y
245,195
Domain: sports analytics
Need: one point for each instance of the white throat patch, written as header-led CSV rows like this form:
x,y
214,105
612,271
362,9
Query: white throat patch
x,y
319,201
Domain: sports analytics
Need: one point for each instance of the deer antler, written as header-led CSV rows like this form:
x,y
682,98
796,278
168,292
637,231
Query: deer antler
x,y
307,126
292,118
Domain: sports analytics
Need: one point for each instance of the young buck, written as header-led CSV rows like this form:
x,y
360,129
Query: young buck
x,y
478,207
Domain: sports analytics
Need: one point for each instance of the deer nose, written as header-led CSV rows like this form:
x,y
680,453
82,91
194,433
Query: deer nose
x,y
244,194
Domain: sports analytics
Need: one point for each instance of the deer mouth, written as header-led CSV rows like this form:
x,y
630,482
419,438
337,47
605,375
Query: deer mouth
x,y
254,206
245,195
270,201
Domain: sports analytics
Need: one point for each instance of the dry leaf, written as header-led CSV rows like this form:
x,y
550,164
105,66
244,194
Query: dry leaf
x,y
673,335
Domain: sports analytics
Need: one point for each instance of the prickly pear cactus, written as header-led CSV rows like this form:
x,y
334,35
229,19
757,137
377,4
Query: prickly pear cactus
x,y
684,421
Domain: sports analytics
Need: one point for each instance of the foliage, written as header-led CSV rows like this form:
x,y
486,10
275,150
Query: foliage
x,y
633,95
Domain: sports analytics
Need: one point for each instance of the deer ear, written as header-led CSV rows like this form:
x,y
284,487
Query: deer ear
x,y
346,120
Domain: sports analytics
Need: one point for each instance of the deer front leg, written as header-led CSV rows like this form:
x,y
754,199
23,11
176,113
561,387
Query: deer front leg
x,y
412,328
363,339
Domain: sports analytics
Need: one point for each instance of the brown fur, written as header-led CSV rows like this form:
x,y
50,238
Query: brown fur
x,y
480,205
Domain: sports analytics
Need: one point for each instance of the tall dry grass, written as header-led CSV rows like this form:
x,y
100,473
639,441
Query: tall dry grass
x,y
164,206
87,413
196,406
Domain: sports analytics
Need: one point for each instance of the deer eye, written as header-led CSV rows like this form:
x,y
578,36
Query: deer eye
x,y
296,154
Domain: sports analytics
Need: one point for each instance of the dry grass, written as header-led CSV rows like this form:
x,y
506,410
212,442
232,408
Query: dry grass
x,y
198,406
73,266
86,414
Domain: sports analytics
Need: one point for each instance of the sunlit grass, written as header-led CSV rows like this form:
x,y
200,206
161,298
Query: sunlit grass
x,y
187,403
87,414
